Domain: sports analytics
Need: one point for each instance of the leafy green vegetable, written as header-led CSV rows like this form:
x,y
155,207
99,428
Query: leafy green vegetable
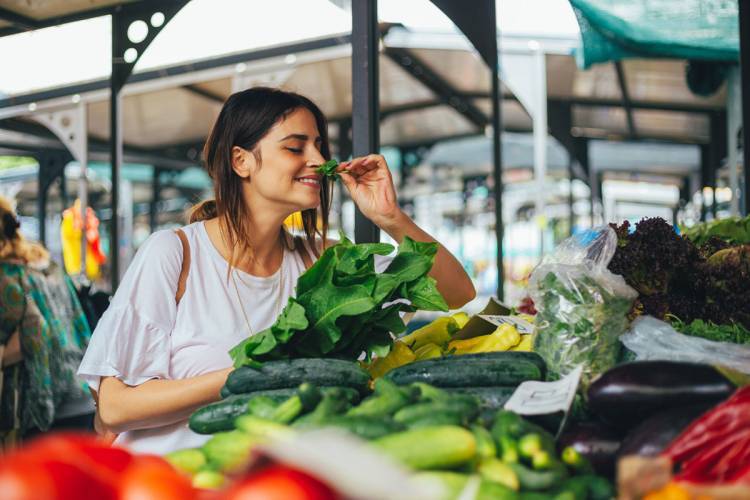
x,y
328,169
579,321
344,308
732,230
733,332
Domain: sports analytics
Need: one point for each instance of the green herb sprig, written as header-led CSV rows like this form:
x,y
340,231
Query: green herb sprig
x,y
328,169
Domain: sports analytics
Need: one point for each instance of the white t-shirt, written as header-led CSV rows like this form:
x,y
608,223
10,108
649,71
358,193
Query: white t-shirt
x,y
143,335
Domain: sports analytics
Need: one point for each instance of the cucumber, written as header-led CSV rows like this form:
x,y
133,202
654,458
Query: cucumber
x,y
490,490
471,370
366,427
444,418
430,447
218,417
491,398
279,395
465,409
539,480
284,374
225,392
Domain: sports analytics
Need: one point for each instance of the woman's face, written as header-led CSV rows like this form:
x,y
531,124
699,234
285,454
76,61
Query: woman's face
x,y
290,154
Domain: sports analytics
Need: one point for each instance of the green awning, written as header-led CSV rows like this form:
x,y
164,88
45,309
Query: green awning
x,y
702,30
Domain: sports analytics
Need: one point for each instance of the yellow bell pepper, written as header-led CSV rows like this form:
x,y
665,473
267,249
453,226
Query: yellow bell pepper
x,y
438,332
526,344
400,355
502,339
461,319
671,491
428,351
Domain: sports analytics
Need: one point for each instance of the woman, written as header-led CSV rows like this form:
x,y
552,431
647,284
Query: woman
x,y
43,334
153,361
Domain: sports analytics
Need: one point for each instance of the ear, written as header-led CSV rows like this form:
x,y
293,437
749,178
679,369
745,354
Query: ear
x,y
243,162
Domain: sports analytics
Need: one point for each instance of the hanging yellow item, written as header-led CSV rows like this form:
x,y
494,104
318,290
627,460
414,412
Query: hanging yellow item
x,y
70,234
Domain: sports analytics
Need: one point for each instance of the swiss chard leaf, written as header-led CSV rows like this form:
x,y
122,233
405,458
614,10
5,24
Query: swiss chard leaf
x,y
338,309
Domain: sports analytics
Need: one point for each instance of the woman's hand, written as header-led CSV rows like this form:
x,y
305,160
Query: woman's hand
x,y
370,185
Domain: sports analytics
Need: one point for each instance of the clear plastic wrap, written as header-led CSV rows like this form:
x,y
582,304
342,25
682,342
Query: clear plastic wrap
x,y
650,338
582,306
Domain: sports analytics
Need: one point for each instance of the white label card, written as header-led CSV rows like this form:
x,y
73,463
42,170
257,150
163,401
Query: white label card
x,y
523,326
539,398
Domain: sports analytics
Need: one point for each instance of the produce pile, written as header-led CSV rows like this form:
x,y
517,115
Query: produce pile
x,y
433,401
438,339
344,308
699,281
451,430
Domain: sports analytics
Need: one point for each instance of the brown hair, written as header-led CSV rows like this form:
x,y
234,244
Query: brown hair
x,y
12,243
246,118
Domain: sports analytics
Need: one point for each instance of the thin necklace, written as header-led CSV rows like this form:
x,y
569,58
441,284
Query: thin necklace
x,y
278,298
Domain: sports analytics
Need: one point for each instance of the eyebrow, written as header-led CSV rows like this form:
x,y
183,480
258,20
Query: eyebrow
x,y
301,137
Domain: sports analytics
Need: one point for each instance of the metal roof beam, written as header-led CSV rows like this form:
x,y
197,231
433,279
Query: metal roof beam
x,y
19,21
211,96
444,90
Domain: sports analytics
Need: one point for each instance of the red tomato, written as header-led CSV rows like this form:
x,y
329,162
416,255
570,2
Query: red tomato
x,y
29,477
152,478
278,482
95,454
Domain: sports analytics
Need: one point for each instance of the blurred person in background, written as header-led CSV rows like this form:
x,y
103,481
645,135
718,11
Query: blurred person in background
x,y
43,335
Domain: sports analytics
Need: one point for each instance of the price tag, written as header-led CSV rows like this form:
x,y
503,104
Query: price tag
x,y
540,398
523,326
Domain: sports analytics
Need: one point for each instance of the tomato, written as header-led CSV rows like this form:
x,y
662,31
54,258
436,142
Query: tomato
x,y
278,482
152,478
84,448
32,477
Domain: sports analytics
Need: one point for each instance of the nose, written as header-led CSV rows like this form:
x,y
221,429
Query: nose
x,y
314,158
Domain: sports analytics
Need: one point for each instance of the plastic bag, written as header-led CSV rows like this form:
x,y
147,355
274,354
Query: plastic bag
x,y
582,306
650,338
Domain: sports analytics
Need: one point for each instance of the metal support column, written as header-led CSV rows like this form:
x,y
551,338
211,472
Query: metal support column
x,y
153,218
51,167
571,196
497,170
134,27
365,101
744,17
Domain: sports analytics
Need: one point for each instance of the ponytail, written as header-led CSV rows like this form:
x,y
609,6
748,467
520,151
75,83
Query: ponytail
x,y
202,211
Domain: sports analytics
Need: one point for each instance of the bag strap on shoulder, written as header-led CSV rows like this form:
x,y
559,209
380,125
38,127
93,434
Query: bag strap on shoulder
x,y
185,269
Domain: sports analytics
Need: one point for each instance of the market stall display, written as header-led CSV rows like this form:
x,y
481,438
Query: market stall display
x,y
431,403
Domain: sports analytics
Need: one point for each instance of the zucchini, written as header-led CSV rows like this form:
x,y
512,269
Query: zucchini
x,y
387,399
466,409
490,490
366,427
539,480
279,395
486,447
491,398
218,417
289,373
470,370
430,447
444,418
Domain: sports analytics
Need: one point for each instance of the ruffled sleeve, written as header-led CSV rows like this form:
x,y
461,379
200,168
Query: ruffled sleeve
x,y
132,339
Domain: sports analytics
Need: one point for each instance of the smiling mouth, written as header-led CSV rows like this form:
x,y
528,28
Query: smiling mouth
x,y
309,181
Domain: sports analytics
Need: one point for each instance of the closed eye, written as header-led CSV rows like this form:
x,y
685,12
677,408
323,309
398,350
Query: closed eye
x,y
294,150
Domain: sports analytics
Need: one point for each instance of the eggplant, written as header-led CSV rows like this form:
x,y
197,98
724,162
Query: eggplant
x,y
632,392
595,441
655,433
